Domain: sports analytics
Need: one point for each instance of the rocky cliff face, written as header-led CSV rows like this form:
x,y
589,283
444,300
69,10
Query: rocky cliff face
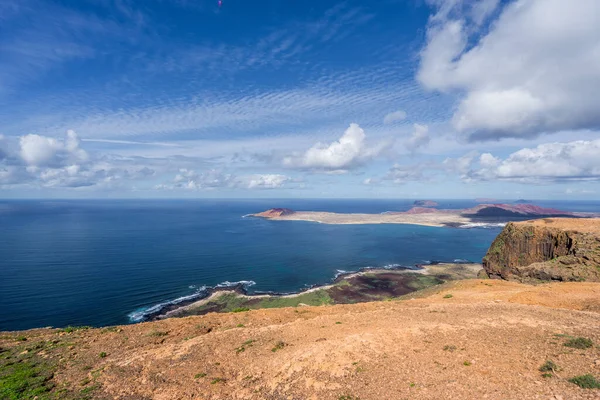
x,y
546,249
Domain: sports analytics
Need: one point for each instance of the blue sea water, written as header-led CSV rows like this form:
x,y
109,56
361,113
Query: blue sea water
x,y
107,262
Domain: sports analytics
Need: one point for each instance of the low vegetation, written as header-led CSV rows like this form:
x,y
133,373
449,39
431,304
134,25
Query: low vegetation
x,y
278,346
579,343
71,329
586,381
549,366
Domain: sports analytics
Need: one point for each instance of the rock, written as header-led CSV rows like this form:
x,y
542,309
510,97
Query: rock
x,y
482,274
548,250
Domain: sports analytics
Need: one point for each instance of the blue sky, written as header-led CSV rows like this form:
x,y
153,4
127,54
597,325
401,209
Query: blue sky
x,y
284,98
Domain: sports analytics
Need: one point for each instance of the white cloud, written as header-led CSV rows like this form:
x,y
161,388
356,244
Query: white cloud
x,y
214,178
419,138
401,174
546,163
534,71
267,181
394,117
43,151
348,152
42,161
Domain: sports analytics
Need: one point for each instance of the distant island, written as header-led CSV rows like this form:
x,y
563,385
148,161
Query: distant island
x,y
425,203
426,215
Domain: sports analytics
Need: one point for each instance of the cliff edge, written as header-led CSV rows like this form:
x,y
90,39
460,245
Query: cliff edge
x,y
558,249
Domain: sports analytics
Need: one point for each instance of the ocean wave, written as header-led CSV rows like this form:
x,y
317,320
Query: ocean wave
x,y
483,225
141,314
460,260
228,284
339,272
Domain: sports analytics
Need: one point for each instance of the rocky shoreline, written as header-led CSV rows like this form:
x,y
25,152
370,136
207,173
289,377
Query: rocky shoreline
x,y
367,284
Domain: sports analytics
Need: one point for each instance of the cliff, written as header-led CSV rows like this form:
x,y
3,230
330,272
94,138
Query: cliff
x,y
547,249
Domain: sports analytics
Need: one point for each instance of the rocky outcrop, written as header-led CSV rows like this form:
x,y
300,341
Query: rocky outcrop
x,y
546,249
275,212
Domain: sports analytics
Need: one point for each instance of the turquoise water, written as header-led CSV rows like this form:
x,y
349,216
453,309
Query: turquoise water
x,y
107,262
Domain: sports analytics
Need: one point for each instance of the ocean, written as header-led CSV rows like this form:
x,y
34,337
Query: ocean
x,y
106,262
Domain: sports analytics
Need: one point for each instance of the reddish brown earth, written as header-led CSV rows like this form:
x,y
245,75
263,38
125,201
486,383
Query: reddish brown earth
x,y
275,212
485,341
563,249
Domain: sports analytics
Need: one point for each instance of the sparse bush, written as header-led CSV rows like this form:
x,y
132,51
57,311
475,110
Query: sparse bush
x,y
549,366
157,333
467,363
217,380
448,296
240,309
278,346
71,329
200,375
449,348
586,381
102,354
579,343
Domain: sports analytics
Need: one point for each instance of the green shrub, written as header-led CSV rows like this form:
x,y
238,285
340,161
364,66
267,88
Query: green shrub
x,y
586,381
71,329
548,366
278,346
240,309
102,355
579,343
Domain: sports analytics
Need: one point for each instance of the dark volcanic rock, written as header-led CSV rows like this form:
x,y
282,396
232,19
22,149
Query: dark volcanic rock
x,y
549,249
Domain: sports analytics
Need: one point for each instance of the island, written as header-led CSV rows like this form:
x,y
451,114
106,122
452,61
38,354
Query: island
x,y
428,216
425,203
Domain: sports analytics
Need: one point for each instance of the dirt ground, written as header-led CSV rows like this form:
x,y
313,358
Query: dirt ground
x,y
472,339
584,225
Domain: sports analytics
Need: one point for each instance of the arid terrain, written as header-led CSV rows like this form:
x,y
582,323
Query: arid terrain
x,y
471,339
427,216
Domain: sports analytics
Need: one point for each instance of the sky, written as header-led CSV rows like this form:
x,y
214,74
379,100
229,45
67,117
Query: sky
x,y
300,99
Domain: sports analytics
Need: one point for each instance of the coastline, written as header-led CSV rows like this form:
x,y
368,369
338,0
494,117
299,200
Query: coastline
x,y
432,274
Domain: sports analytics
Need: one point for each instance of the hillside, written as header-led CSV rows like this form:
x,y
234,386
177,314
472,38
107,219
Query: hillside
x,y
487,340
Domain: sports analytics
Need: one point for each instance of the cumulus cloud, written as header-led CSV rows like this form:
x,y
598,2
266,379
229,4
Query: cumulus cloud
x,y
43,151
546,163
267,181
214,178
395,116
534,70
419,138
346,153
43,161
